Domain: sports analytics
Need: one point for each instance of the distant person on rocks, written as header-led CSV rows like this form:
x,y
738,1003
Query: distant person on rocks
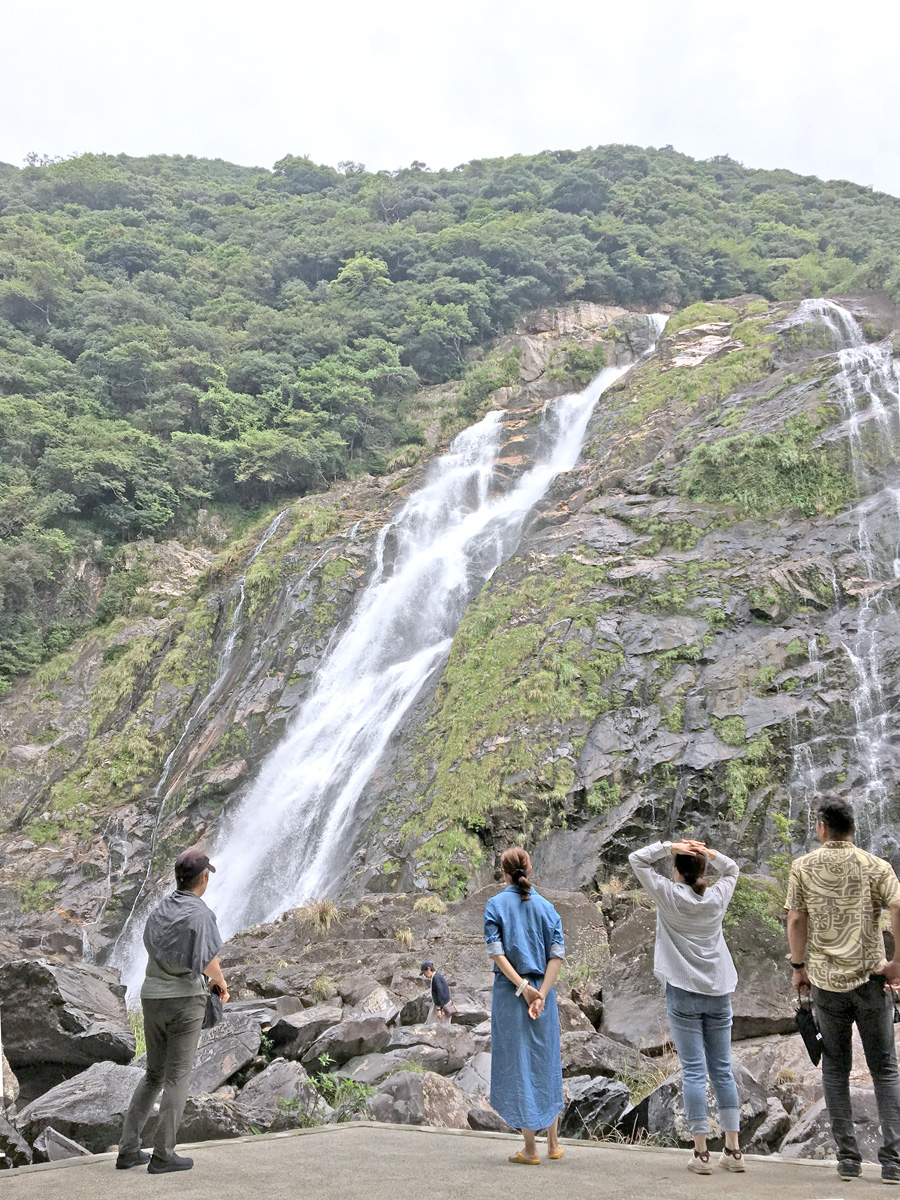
x,y
182,940
834,900
693,962
440,995
524,938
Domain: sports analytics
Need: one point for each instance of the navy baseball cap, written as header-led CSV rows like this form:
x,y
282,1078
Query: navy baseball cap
x,y
426,966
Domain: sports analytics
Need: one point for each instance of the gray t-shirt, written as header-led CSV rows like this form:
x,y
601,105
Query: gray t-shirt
x,y
181,938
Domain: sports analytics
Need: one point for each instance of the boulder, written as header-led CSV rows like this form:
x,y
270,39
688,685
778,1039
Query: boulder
x,y
14,1150
224,1050
475,1077
413,1099
811,1136
274,1098
593,1054
470,1012
89,1108
349,1039
10,1084
596,1106
449,1045
571,1018
776,1123
662,1111
72,1013
486,1120
372,1068
295,1032
212,1118
363,993
53,1146
415,1011
634,1009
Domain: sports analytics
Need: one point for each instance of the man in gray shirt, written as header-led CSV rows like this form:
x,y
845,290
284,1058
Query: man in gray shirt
x,y
183,942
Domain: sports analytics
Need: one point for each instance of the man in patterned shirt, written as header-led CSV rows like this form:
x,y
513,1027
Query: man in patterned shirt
x,y
835,899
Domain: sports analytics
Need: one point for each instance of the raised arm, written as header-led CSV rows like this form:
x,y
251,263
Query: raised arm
x,y
641,862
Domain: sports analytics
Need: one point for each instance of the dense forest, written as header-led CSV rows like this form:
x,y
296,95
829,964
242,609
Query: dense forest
x,y
178,333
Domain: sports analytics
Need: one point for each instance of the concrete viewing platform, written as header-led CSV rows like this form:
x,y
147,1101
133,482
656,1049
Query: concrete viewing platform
x,y
365,1161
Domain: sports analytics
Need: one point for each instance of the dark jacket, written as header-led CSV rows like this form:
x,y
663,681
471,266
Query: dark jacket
x,y
440,992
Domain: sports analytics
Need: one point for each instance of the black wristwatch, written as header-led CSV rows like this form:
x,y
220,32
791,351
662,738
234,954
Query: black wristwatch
x,y
798,966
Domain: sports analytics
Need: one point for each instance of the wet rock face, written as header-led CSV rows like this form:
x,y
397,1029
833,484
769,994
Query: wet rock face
x,y
63,1013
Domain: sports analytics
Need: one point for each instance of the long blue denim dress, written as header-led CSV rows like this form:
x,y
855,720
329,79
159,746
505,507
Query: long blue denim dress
x,y
526,1066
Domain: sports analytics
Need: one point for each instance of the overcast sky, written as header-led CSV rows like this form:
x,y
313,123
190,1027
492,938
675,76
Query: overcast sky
x,y
810,87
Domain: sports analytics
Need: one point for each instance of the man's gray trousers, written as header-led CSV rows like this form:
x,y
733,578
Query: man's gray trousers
x,y
172,1031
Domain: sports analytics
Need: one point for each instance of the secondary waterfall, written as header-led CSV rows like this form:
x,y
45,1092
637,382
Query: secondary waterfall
x,y
866,388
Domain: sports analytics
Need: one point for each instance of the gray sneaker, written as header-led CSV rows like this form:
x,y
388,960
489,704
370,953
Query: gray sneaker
x,y
890,1173
699,1164
849,1168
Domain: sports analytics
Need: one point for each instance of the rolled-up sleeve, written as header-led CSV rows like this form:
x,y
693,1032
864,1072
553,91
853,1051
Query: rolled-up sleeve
x,y
557,941
493,935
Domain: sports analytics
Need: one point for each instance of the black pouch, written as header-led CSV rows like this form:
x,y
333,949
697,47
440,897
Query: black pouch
x,y
809,1031
213,1014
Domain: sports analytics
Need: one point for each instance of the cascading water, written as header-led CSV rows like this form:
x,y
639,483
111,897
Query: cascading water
x,y
128,947
865,386
292,836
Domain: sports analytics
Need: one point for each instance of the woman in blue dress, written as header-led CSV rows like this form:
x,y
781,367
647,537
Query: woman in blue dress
x,y
524,938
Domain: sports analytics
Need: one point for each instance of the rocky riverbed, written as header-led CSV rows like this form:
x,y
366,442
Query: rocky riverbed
x,y
697,632
327,1023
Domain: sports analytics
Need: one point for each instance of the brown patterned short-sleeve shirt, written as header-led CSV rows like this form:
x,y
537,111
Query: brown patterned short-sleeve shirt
x,y
843,889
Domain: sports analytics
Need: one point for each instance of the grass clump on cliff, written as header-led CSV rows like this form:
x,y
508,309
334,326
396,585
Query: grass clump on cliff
x,y
523,659
766,473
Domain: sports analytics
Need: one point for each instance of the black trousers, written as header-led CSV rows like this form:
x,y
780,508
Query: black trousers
x,y
871,1010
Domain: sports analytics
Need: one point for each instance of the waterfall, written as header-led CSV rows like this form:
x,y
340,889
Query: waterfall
x,y
866,389
292,836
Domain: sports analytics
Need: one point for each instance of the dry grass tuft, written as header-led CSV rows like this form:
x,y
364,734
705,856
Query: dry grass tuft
x,y
405,938
322,988
430,904
320,914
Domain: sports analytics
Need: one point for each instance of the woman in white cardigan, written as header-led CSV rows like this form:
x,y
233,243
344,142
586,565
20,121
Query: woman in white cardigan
x,y
693,963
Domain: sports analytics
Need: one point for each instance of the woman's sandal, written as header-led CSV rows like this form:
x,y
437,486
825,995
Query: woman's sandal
x,y
522,1161
556,1154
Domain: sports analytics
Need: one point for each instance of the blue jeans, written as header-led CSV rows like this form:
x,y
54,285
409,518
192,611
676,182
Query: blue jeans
x,y
701,1031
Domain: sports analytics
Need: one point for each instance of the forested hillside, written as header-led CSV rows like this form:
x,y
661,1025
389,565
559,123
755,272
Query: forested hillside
x,y
178,333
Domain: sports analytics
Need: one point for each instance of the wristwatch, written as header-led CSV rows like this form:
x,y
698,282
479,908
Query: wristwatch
x,y
798,966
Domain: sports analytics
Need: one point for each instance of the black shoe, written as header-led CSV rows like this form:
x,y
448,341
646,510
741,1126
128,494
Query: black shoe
x,y
890,1173
848,1168
138,1159
159,1166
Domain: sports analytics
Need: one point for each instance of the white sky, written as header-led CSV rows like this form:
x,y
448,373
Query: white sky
x,y
807,86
